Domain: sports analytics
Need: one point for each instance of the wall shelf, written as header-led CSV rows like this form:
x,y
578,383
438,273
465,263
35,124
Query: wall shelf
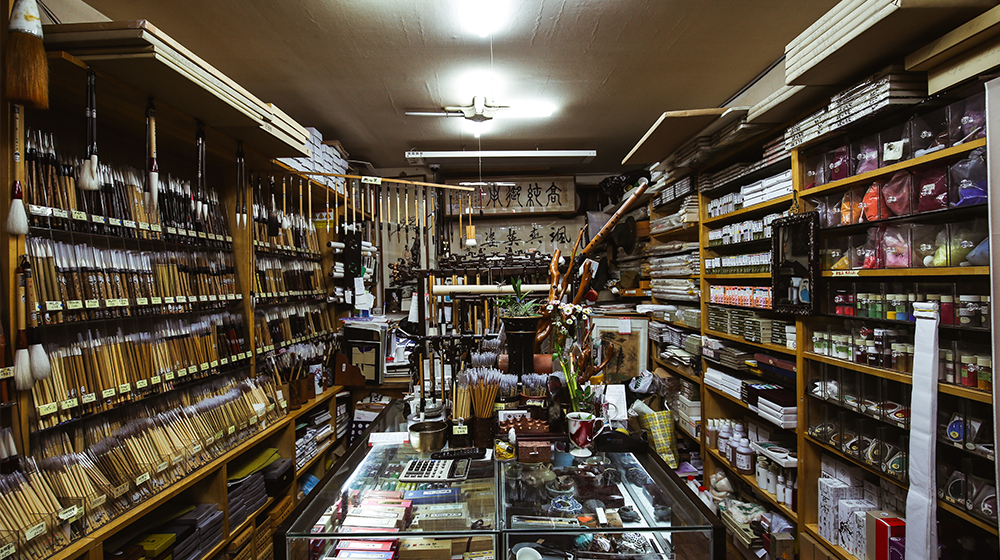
x,y
750,480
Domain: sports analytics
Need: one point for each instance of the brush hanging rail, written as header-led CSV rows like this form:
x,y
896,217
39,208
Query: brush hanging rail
x,y
366,179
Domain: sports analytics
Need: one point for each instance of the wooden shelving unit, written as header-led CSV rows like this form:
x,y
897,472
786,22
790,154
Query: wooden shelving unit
x,y
752,482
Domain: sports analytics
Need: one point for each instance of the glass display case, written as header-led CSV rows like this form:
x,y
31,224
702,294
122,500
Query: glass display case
x,y
611,505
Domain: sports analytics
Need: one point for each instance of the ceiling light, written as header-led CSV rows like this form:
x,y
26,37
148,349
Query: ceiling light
x,y
483,17
418,157
477,128
485,184
523,110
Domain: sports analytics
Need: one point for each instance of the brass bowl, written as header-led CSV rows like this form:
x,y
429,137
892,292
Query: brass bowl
x,y
428,437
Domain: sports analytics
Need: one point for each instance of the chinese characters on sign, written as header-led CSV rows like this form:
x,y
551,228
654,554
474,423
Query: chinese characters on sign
x,y
522,234
523,195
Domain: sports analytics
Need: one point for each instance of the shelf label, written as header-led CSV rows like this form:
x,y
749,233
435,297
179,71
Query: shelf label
x,y
141,384
213,297
99,501
224,361
283,403
182,232
119,491
7,372
155,380
156,300
142,301
209,440
182,372
270,407
214,363
162,467
7,550
124,388
46,409
460,430
169,376
69,403
36,210
232,430
92,303
60,213
53,305
114,222
196,449
253,419
68,514
130,224
168,300
366,180
202,235
218,435
176,459
88,398
97,219
74,304
171,230
144,226
181,299
843,273
203,366
229,239
144,477
78,215
34,531
155,227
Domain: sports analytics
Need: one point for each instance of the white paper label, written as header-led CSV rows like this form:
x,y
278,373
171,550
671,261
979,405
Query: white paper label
x,y
624,325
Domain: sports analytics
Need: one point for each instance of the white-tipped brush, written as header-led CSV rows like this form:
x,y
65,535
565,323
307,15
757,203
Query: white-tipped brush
x,y
88,180
22,370
38,358
17,218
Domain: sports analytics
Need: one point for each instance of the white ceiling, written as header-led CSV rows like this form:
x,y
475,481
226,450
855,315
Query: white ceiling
x,y
351,68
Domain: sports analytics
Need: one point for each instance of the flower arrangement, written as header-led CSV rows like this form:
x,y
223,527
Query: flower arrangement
x,y
569,321
517,304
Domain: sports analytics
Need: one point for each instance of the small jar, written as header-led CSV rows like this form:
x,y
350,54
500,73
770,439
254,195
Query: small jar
x,y
985,373
984,311
840,347
896,307
910,300
947,309
860,351
946,371
969,369
825,340
840,302
909,358
873,356
968,311
875,306
898,356
861,305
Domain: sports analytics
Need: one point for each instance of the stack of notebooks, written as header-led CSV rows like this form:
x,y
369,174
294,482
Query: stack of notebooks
x,y
675,289
686,214
673,266
669,193
888,89
782,332
343,419
246,497
207,521
774,151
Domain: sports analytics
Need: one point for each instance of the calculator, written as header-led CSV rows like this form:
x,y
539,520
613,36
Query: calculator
x,y
435,470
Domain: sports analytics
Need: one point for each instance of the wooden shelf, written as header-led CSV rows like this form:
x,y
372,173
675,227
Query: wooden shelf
x,y
855,460
727,396
946,388
319,455
866,178
896,272
681,228
674,368
771,498
670,131
741,340
763,207
966,516
842,553
738,276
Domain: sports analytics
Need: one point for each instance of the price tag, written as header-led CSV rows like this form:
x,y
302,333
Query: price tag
x,y
69,403
624,325
144,226
212,237
169,376
182,232
213,297
224,361
92,303
232,430
203,366
53,305
114,222
203,298
229,239
253,419
142,301
155,227
46,409
176,459
141,384
168,300
130,224
202,235
196,449
460,430
88,398
34,531
214,363
366,180
99,501
218,435
181,299
7,550
155,380
7,372
171,230
144,477
78,215
60,213
270,407
74,304
238,296
209,440
842,273
97,219
182,372
124,388
67,513
230,296
119,491
283,404
270,347
36,210
156,300
162,467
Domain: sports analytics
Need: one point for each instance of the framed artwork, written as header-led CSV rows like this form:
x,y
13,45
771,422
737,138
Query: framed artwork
x,y
520,195
631,346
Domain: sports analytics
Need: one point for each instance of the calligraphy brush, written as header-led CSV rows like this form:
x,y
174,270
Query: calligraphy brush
x,y
27,68
273,227
88,172
17,218
22,361
37,358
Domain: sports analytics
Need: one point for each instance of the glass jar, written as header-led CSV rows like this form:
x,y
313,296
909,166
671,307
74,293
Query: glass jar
x,y
946,370
969,367
985,373
843,302
896,307
968,311
898,356
841,348
861,305
873,356
947,309
875,306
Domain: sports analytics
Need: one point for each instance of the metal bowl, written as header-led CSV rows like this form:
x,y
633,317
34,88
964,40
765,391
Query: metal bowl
x,y
428,437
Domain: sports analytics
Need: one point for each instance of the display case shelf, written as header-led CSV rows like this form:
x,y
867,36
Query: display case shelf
x,y
771,498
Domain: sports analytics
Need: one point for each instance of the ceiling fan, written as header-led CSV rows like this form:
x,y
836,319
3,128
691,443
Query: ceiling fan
x,y
479,111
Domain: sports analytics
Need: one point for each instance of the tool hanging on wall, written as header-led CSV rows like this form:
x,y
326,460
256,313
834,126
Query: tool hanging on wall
x,y
153,169
25,62
470,230
38,358
22,361
17,218
88,171
273,227
241,183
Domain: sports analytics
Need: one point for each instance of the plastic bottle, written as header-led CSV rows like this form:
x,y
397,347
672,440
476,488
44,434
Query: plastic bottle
x,y
723,440
706,498
772,479
789,492
780,489
744,457
712,434
734,443
761,470
692,484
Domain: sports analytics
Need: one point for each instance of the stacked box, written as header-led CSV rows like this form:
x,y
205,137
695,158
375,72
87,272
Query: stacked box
x,y
847,529
831,492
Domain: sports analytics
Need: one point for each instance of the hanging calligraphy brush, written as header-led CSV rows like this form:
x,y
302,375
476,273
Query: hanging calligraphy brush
x,y
27,68
240,181
22,361
17,218
88,172
154,170
38,360
470,230
273,227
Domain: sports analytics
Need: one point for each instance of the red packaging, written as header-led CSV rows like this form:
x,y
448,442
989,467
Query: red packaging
x,y
382,546
365,555
392,494
884,530
932,189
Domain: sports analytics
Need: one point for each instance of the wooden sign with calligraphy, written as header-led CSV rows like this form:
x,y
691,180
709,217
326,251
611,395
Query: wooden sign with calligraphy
x,y
520,195
494,235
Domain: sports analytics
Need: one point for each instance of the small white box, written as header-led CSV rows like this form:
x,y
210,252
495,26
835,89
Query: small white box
x,y
850,474
846,525
828,466
831,492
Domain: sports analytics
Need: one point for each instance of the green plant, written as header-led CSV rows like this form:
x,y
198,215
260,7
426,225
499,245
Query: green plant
x,y
517,304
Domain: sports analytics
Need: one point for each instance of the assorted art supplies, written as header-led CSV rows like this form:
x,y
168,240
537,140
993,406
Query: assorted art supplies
x,y
281,325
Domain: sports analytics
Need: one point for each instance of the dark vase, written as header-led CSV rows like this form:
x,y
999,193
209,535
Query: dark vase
x,y
520,343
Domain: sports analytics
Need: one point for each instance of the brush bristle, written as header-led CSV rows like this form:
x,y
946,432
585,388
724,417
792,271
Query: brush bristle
x,y
88,175
17,218
22,370
39,360
27,71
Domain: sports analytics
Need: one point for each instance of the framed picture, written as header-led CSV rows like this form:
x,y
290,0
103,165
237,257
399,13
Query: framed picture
x,y
794,264
516,195
631,345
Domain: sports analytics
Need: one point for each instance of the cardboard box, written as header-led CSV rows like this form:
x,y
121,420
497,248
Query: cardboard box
x,y
846,536
831,491
828,466
880,526
471,544
782,546
424,549
858,547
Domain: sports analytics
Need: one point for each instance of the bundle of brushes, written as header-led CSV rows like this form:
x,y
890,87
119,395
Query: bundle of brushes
x,y
294,364
462,397
102,370
280,326
78,282
280,277
483,359
27,509
484,383
508,386
534,385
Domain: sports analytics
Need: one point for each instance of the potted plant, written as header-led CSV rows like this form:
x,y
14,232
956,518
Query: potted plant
x,y
520,320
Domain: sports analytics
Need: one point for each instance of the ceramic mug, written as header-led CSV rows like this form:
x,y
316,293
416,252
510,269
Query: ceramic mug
x,y
583,426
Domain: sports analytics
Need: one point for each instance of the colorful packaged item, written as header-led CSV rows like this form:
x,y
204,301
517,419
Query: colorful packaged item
x,y
968,180
874,250
929,133
967,119
898,194
872,203
866,155
897,247
839,163
925,240
932,189
895,143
